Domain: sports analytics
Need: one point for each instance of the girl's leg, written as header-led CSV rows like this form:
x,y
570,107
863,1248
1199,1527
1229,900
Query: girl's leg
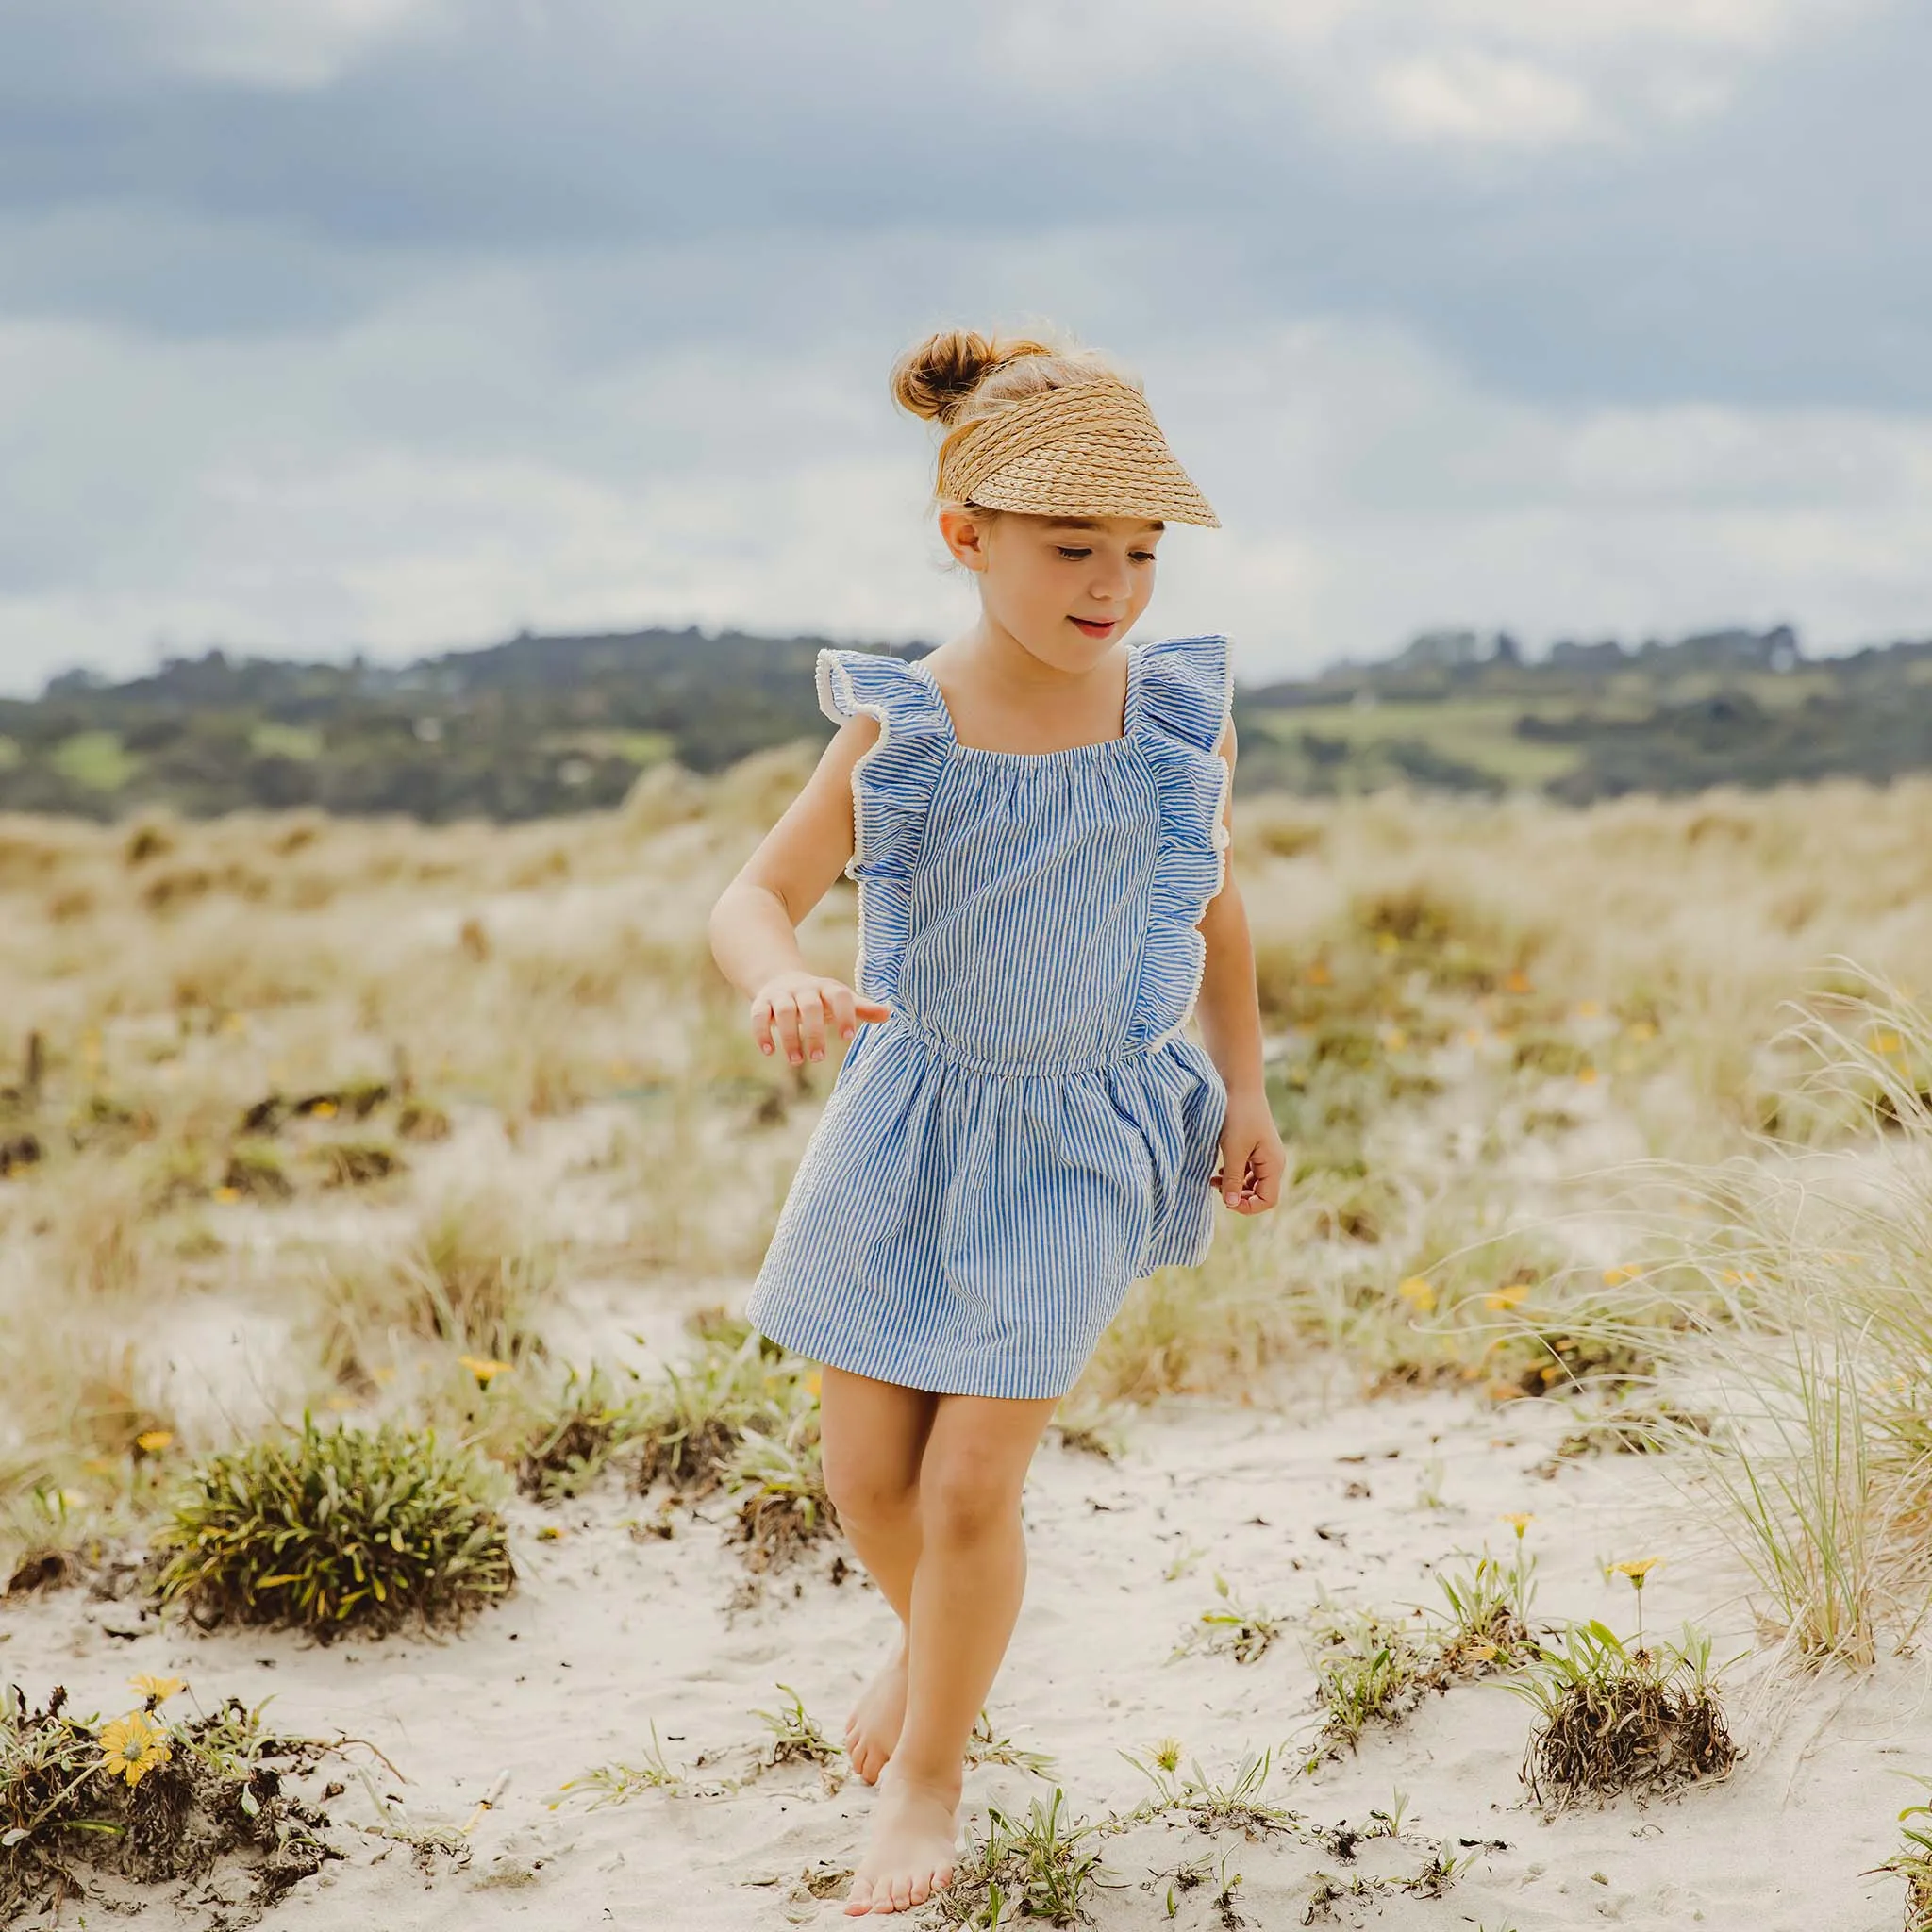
x,y
966,1591
873,1435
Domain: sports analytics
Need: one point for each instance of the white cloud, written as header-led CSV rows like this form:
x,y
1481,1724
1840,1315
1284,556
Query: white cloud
x,y
1508,73
285,44
1477,97
411,485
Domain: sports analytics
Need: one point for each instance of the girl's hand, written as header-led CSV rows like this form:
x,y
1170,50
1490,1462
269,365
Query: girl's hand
x,y
1253,1161
795,1007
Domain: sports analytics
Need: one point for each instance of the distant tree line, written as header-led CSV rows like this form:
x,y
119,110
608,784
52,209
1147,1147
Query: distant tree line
x,y
541,726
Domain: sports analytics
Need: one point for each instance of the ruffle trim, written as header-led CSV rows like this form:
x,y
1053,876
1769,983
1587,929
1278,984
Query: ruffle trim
x,y
891,794
1181,704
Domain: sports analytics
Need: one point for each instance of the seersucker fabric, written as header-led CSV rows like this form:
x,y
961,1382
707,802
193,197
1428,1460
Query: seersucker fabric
x,y
1033,1129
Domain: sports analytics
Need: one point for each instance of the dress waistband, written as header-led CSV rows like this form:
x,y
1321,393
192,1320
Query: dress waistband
x,y
979,1064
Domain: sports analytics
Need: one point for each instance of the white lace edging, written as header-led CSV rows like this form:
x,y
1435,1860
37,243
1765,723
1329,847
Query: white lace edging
x,y
1222,838
838,695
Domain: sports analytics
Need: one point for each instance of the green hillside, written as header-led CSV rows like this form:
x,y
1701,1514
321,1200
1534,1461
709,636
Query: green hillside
x,y
541,726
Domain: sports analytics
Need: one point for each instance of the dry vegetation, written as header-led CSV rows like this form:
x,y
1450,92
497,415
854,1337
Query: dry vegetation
x,y
409,1129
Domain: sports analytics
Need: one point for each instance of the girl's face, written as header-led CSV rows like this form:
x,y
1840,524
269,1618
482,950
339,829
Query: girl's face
x,y
1066,587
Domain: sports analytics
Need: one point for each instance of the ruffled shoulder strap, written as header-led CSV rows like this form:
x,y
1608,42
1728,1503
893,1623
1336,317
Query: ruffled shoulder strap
x,y
891,794
1182,692
1184,688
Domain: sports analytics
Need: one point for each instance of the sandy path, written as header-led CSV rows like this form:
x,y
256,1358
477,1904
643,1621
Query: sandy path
x,y
609,1632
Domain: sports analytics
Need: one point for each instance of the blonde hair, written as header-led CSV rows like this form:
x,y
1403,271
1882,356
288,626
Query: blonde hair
x,y
959,377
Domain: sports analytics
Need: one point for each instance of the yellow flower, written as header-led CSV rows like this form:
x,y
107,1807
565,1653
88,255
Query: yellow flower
x,y
1624,1271
1520,1523
131,1748
159,1689
1386,943
227,1196
1506,1297
152,1442
1589,1009
1641,1030
813,1382
324,1110
1318,975
1587,1075
1394,1039
102,1465
1473,1036
1637,1569
1418,1291
485,1372
1517,981
1886,1042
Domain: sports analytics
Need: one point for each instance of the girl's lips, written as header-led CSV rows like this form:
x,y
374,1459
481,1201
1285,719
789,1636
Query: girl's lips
x,y
1095,626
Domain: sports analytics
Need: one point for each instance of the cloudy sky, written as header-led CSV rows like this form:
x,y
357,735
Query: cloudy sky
x,y
397,325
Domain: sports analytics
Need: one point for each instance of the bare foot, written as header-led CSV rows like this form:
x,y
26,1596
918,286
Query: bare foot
x,y
910,1854
872,1729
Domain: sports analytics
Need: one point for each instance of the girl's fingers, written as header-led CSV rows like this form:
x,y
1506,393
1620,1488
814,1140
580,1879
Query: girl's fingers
x,y
812,1023
761,1024
784,1011
871,1010
842,1003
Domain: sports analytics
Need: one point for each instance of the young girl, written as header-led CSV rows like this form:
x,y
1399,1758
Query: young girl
x,y
1037,817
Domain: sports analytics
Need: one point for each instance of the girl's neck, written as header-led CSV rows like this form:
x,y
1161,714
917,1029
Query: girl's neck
x,y
1001,694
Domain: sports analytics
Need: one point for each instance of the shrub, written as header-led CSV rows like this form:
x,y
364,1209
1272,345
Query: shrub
x,y
149,1799
778,1486
689,1425
1616,1720
335,1530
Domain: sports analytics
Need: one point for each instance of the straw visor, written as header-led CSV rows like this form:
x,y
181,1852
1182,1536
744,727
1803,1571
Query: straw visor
x,y
1086,449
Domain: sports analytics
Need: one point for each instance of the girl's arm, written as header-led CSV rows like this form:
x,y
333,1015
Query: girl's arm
x,y
1253,1159
754,926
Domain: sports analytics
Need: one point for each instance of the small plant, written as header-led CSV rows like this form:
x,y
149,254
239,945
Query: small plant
x,y
1618,1720
1194,1873
1489,1610
255,1173
1042,1867
331,1530
1367,1670
1913,1863
689,1426
986,1746
358,1163
617,1783
1231,1804
568,1449
1231,1629
148,1798
778,1486
796,1736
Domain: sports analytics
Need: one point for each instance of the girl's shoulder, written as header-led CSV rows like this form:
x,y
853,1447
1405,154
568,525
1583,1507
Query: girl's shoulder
x,y
1185,688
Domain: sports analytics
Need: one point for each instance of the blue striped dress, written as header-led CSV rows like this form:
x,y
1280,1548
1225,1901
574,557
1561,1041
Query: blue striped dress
x,y
1032,1130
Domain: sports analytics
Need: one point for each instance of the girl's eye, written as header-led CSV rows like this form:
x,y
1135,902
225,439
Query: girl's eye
x,y
1071,554
1143,555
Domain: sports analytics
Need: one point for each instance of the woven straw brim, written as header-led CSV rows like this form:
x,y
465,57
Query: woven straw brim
x,y
1098,472
1085,449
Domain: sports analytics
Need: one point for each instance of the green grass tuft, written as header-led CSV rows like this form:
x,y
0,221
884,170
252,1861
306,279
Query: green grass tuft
x,y
336,1530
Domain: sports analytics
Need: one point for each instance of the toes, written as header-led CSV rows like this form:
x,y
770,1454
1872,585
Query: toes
x,y
860,1899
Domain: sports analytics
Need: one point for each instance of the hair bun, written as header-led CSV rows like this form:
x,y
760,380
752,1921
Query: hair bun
x,y
936,379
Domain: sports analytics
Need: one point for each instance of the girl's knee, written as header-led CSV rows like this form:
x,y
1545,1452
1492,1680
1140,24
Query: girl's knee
x,y
863,1495
966,1502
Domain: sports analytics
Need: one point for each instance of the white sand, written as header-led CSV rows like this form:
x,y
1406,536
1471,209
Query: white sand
x,y
607,1633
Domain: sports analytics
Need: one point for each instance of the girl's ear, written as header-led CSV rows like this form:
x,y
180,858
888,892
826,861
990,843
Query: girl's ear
x,y
965,533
